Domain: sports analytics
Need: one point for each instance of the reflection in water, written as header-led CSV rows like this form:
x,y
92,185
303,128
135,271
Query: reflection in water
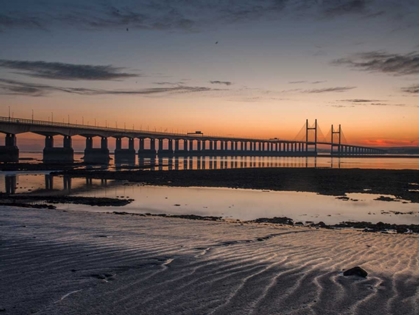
x,y
216,162
10,184
225,202
41,183
210,163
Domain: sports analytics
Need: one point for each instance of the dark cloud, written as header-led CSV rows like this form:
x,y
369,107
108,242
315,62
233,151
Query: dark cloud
x,y
19,21
332,89
221,82
414,89
311,82
359,100
337,7
11,87
65,71
185,15
168,83
365,102
376,61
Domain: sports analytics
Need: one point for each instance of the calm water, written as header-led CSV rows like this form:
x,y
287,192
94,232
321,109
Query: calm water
x,y
247,162
225,202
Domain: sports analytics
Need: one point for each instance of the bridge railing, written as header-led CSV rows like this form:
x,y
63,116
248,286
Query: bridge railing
x,y
125,130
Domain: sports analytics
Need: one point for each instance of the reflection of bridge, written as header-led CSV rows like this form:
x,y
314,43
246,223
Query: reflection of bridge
x,y
163,143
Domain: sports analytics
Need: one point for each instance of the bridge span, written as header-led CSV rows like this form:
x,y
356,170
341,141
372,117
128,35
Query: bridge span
x,y
163,144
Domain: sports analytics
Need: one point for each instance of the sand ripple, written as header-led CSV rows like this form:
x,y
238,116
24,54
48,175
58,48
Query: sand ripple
x,y
54,262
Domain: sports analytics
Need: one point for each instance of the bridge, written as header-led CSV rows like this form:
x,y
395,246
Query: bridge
x,y
165,144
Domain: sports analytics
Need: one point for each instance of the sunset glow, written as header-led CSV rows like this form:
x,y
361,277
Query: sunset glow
x,y
243,68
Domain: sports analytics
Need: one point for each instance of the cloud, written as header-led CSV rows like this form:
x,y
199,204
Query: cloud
x,y
414,89
334,8
359,100
332,89
341,106
182,15
376,61
11,87
365,102
65,71
311,82
221,82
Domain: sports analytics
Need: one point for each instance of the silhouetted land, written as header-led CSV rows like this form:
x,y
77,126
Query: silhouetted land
x,y
400,183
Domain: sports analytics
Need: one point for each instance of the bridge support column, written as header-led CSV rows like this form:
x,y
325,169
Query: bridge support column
x,y
148,153
9,152
57,155
124,155
165,152
96,155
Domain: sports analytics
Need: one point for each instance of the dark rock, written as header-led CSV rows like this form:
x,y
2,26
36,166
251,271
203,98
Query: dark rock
x,y
355,271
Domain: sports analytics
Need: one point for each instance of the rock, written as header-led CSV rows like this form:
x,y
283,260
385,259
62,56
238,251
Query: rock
x,y
322,224
355,271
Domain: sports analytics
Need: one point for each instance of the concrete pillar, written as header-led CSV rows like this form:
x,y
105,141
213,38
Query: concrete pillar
x,y
49,141
160,144
153,144
117,143
104,143
10,140
141,144
131,143
177,144
190,145
67,142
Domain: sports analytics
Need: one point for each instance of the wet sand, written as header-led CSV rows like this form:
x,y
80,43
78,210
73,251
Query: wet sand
x,y
64,262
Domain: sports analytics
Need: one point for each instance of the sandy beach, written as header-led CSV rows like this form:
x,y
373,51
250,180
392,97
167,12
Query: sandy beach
x,y
64,262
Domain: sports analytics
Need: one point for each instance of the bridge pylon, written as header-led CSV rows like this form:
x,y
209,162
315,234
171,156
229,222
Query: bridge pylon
x,y
312,144
336,146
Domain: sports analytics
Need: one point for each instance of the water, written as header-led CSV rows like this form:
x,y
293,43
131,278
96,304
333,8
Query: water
x,y
247,162
225,202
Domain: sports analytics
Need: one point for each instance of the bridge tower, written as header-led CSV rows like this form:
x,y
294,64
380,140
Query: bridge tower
x,y
311,146
336,145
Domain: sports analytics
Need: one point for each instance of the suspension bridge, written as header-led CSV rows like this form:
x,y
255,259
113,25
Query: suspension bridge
x,y
168,144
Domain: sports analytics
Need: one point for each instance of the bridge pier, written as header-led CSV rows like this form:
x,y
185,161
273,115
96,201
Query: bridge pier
x,y
184,151
165,152
9,152
147,153
96,155
53,154
124,155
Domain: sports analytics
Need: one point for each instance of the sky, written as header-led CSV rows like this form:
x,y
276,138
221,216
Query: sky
x,y
231,68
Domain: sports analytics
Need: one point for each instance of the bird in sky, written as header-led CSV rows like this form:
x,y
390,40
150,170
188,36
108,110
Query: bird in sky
x,y
216,42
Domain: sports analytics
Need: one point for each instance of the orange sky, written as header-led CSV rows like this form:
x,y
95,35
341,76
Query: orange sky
x,y
210,68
